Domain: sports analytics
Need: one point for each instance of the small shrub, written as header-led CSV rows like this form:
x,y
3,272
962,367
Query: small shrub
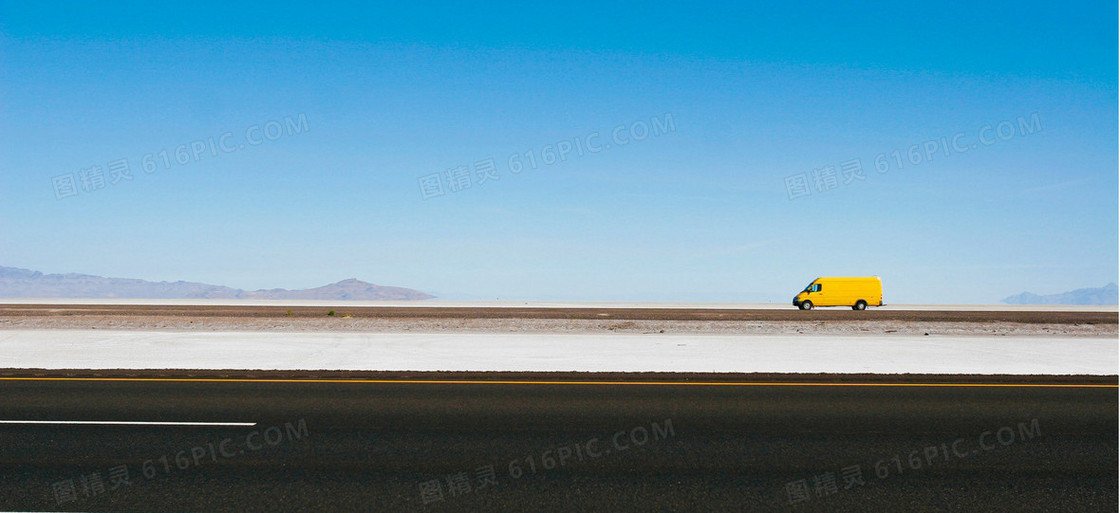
x,y
331,313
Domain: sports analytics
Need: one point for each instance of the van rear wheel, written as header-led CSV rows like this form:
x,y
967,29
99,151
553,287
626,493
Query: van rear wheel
x,y
806,305
860,305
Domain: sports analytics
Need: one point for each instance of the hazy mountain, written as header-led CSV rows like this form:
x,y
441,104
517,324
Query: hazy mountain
x,y
33,284
346,289
1106,295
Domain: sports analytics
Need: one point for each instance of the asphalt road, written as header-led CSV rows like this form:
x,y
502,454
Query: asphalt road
x,y
597,313
510,446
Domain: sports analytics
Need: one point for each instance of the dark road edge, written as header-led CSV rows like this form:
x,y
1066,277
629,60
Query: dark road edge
x,y
569,313
575,377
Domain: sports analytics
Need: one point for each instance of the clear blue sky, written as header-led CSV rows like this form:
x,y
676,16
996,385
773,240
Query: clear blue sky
x,y
374,101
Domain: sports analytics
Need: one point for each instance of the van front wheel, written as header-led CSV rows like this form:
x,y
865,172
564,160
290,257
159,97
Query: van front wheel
x,y
806,305
860,305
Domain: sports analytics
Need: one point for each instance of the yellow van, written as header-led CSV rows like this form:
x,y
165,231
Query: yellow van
x,y
854,292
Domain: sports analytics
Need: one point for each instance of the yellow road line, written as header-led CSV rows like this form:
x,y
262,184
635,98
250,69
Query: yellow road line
x,y
522,382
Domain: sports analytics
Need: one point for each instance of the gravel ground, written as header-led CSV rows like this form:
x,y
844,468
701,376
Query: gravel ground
x,y
569,326
575,320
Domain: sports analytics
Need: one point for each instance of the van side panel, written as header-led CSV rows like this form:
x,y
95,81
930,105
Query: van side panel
x,y
844,291
847,291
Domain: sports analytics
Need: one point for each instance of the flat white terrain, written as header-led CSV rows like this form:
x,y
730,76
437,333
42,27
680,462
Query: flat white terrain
x,y
132,349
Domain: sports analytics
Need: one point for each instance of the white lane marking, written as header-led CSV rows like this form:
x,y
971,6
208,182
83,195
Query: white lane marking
x,y
129,423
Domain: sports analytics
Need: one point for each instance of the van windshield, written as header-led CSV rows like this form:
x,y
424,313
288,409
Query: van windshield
x,y
808,288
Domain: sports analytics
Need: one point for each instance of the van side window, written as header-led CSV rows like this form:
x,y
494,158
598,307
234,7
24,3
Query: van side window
x,y
817,287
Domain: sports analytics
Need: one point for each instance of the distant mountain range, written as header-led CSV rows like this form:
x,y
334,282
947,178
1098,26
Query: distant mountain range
x,y
23,283
1106,295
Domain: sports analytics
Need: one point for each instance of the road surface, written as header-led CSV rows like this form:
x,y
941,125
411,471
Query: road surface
x,y
419,310
519,446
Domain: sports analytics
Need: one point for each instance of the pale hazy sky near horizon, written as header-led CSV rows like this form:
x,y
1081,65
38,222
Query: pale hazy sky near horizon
x,y
963,152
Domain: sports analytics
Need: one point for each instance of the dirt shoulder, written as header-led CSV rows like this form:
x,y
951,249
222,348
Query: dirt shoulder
x,y
346,322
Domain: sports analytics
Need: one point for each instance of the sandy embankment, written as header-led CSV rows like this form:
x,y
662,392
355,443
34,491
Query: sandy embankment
x,y
339,323
472,339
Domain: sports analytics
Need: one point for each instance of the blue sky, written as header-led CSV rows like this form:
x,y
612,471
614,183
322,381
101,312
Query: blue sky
x,y
315,128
